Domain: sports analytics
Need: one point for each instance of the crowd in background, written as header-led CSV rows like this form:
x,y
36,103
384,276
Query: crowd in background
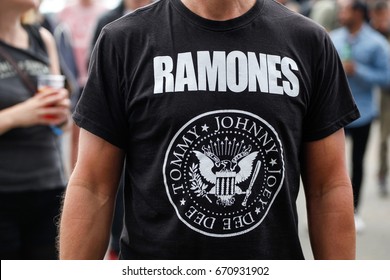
x,y
360,31
366,61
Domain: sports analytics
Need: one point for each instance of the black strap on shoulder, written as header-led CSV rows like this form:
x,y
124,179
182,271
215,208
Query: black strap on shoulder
x,y
23,75
33,30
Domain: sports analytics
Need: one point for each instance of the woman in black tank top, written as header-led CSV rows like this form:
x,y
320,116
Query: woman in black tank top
x,y
31,170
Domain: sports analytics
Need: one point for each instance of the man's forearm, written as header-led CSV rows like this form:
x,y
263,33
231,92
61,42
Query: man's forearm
x,y
85,224
331,224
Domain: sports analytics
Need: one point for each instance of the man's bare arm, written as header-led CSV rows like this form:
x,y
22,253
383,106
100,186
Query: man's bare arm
x,y
329,198
90,198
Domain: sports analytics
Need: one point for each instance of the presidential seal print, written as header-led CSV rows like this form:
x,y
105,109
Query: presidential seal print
x,y
222,172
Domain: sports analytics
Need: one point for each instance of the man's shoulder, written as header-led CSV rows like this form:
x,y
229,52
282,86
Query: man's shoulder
x,y
375,36
373,40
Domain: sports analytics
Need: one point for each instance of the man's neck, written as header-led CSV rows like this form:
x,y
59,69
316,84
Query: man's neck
x,y
219,9
86,3
355,28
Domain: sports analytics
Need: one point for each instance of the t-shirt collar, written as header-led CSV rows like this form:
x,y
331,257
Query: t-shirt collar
x,y
218,25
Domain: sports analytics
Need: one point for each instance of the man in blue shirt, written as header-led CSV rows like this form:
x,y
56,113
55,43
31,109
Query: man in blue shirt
x,y
365,56
380,21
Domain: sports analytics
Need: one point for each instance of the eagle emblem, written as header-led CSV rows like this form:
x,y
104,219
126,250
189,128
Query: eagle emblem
x,y
222,172
225,168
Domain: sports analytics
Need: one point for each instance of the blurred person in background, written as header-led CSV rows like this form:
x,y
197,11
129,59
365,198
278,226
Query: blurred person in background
x,y
365,56
380,20
66,60
324,12
32,177
291,4
64,46
124,7
80,18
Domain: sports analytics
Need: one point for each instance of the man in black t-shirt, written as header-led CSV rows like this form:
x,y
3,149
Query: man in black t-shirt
x,y
219,109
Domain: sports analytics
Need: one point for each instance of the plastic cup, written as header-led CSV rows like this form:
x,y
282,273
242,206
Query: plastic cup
x,y
50,81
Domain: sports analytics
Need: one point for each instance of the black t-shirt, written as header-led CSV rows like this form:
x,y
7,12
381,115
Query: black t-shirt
x,y
30,158
212,116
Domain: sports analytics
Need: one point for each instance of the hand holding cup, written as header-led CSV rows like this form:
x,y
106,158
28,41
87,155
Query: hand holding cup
x,y
51,89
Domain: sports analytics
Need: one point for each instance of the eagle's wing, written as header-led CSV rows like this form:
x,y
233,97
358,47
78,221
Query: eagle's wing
x,y
205,166
246,167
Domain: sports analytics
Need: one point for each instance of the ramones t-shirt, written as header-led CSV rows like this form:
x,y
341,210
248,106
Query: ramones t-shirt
x,y
212,116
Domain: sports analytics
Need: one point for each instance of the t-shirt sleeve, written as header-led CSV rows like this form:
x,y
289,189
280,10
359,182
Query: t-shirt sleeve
x,y
331,105
101,108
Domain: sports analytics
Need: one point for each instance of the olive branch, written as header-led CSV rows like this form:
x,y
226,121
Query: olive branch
x,y
197,185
